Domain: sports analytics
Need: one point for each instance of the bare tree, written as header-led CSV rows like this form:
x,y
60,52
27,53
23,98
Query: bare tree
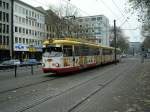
x,y
63,25
122,40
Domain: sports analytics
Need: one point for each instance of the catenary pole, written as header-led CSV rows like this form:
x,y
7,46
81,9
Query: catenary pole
x,y
115,41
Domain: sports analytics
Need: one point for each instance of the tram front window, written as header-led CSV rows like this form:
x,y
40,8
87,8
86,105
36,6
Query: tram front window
x,y
52,52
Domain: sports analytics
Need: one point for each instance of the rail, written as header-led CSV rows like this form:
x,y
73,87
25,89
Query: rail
x,y
15,67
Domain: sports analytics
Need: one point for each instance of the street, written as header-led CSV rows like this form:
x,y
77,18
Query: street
x,y
112,88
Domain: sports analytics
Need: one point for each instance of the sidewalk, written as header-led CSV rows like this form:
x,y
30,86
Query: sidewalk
x,y
22,80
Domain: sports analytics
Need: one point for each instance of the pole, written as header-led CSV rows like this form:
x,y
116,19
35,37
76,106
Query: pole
x,y
12,32
15,70
115,41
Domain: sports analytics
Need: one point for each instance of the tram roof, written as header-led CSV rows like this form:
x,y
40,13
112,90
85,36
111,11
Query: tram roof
x,y
71,41
66,42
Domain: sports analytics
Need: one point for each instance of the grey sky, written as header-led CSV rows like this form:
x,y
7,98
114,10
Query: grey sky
x,y
113,9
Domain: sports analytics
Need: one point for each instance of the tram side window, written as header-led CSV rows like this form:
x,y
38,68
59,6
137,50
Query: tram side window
x,y
46,50
107,52
67,50
96,51
77,50
84,51
52,51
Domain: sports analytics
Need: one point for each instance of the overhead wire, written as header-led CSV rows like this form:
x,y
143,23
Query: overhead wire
x,y
126,20
108,8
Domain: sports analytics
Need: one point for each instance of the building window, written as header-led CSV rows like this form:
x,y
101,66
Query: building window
x,y
7,29
27,42
16,19
4,27
99,18
4,40
7,6
19,19
4,5
30,32
0,3
0,27
3,16
23,40
0,15
23,11
7,17
33,32
100,40
93,19
16,7
26,31
16,29
27,12
23,30
0,39
19,40
20,30
16,40
30,13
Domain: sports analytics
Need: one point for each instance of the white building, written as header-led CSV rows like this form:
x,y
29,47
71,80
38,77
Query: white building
x,y
95,27
5,29
29,26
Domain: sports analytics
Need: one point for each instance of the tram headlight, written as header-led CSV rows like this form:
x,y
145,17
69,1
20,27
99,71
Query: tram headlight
x,y
43,65
55,64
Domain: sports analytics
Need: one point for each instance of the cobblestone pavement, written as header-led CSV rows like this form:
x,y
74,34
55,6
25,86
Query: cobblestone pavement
x,y
130,94
124,87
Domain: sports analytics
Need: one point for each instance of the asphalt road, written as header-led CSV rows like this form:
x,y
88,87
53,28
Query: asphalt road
x,y
103,89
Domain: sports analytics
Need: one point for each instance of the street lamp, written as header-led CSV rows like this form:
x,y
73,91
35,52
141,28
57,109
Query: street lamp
x,y
115,41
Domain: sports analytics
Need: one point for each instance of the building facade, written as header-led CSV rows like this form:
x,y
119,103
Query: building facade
x,y
95,28
29,30
5,29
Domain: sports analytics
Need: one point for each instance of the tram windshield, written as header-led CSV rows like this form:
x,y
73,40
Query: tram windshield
x,y
52,52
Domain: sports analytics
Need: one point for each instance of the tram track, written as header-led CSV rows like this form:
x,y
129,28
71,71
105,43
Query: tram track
x,y
96,91
28,85
40,101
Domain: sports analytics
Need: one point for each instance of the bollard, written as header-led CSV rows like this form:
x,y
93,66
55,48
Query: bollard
x,y
31,69
15,71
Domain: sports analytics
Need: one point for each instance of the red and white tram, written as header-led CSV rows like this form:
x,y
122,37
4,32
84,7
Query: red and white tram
x,y
69,55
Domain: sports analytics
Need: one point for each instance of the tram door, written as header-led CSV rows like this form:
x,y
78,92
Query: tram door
x,y
68,55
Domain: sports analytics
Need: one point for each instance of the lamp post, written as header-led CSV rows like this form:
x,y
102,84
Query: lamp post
x,y
115,41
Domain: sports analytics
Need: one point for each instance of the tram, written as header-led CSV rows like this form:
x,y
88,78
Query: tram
x,y
70,55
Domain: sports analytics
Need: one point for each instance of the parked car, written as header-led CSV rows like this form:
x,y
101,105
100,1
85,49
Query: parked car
x,y
31,61
124,55
11,62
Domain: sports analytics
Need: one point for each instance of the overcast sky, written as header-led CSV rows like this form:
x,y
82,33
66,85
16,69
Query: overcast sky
x,y
112,9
